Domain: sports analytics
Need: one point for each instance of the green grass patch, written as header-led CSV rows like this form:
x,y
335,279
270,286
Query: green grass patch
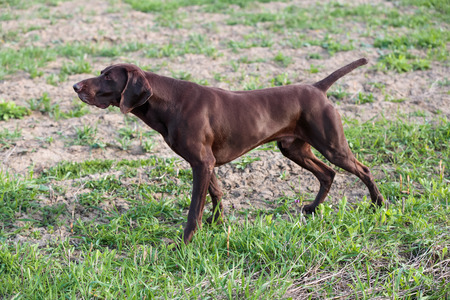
x,y
338,93
28,59
417,151
275,252
282,59
402,62
421,39
68,170
440,6
10,110
23,4
171,5
7,138
363,98
78,66
268,255
195,44
46,106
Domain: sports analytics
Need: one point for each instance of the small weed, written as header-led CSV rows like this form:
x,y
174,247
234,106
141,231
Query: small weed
x,y
363,98
219,77
171,19
395,61
41,104
402,62
251,19
282,59
281,79
10,110
246,60
327,43
53,79
201,81
236,45
419,113
86,136
252,83
296,42
378,85
444,82
183,75
51,213
8,16
333,46
79,66
390,98
126,135
339,93
244,161
148,145
313,69
314,56
44,105
79,109
235,65
197,44
7,138
250,41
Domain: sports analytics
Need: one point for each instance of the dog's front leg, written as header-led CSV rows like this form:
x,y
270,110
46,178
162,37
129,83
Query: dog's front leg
x,y
202,176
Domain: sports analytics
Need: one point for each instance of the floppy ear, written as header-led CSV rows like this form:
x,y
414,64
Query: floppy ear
x,y
136,92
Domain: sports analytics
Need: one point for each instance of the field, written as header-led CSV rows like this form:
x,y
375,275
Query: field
x,y
91,199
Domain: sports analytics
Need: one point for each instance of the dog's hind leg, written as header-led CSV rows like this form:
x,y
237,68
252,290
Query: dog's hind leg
x,y
216,197
334,146
300,152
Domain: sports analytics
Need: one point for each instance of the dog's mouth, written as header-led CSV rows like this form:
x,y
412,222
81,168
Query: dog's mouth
x,y
102,105
84,98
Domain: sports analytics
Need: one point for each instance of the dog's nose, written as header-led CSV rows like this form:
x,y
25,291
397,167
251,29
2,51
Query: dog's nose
x,y
77,87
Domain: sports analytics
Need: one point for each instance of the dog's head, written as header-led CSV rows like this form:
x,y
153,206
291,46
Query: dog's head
x,y
122,85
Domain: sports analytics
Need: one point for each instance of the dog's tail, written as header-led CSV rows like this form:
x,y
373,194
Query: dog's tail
x,y
325,83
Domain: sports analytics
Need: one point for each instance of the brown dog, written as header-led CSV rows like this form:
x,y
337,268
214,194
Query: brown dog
x,y
209,126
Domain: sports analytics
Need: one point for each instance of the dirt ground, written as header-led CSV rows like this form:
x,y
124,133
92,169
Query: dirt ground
x,y
112,24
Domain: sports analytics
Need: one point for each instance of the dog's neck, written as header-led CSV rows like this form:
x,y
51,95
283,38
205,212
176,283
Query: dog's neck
x,y
165,89
157,110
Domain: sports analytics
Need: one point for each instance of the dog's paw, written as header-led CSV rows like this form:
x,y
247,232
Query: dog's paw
x,y
172,244
308,209
380,200
214,219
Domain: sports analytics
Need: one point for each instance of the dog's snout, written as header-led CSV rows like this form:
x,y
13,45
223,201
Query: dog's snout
x,y
77,87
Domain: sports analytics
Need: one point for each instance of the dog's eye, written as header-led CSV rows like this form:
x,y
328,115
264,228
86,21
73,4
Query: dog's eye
x,y
107,77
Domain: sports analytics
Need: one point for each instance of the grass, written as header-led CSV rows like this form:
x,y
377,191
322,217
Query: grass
x,y
195,44
10,110
7,138
48,107
397,251
282,59
402,62
364,98
172,5
423,32
28,59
